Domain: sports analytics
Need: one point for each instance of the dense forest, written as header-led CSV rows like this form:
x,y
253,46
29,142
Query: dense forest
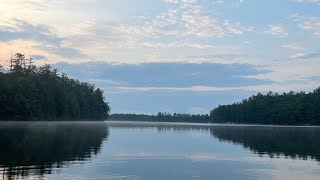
x,y
161,117
31,93
283,109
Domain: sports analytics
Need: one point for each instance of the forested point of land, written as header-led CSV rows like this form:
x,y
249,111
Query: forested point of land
x,y
29,93
161,117
293,108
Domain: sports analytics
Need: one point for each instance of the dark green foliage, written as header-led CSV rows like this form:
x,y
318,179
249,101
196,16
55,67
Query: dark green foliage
x,y
285,109
31,93
162,117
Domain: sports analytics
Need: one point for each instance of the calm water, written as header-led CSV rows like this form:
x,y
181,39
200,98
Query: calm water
x,y
151,151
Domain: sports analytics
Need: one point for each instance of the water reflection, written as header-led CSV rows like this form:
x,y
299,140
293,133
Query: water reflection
x,y
157,151
274,141
35,149
290,142
197,151
161,127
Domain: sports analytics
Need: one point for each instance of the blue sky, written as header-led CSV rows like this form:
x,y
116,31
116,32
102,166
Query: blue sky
x,y
170,55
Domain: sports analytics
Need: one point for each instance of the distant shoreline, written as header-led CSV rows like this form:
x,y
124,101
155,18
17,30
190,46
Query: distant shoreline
x,y
161,123
203,124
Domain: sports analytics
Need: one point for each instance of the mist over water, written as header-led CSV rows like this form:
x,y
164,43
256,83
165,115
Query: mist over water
x,y
121,150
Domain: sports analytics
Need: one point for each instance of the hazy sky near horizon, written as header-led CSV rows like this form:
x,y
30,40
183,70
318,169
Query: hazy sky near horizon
x,y
170,55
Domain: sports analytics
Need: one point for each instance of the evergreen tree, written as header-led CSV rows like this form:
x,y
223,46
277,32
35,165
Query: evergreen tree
x,y
40,93
287,109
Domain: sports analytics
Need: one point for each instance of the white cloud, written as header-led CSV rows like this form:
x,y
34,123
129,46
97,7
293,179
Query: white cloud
x,y
302,55
189,19
180,29
236,28
29,48
308,1
309,23
290,72
293,46
175,44
297,56
307,85
276,30
34,39
222,58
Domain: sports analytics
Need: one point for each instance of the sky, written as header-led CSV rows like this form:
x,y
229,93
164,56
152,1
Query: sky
x,y
170,55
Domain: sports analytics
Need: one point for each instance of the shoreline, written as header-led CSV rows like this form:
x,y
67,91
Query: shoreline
x,y
205,124
166,123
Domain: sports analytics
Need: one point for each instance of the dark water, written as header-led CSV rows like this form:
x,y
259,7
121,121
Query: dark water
x,y
157,151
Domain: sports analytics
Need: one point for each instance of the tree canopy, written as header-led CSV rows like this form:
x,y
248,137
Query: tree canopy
x,y
285,109
162,117
31,93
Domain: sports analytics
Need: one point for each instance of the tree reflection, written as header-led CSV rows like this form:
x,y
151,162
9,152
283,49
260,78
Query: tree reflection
x,y
295,143
34,149
290,142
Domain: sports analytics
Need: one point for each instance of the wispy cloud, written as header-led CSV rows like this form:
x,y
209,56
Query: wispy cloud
x,y
305,55
293,46
290,72
36,38
13,29
189,19
275,87
308,23
308,1
276,30
166,47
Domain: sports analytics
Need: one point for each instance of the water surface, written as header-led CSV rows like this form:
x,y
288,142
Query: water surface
x,y
144,151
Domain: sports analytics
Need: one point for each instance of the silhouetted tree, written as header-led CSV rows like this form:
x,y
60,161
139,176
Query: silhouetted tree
x,y
40,93
162,117
293,108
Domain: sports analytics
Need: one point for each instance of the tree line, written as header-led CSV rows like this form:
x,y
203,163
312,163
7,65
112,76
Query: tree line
x,y
294,143
28,92
162,117
293,108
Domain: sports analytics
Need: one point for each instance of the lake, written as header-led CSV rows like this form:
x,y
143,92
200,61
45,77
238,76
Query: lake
x,y
157,151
